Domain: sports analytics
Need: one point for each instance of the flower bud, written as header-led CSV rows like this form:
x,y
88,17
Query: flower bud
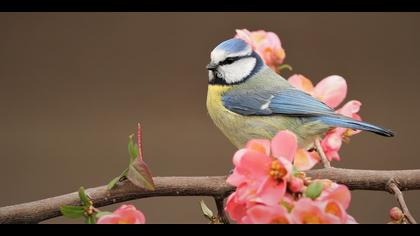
x,y
396,214
296,185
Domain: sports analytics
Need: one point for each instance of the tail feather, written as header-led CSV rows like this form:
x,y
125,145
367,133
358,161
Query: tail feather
x,y
345,122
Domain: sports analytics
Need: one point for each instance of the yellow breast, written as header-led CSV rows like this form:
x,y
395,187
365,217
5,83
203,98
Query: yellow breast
x,y
214,97
224,119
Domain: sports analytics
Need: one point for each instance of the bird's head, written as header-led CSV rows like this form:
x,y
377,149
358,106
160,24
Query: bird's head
x,y
233,62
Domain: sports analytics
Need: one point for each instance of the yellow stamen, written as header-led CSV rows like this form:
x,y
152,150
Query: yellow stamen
x,y
311,219
280,220
277,171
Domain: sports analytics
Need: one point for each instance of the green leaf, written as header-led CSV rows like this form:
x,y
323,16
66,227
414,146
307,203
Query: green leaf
x,y
116,180
206,211
102,213
72,212
284,66
132,149
113,182
90,220
84,198
314,190
139,174
124,174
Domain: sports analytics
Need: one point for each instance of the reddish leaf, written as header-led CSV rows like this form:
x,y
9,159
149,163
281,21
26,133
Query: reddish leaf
x,y
140,175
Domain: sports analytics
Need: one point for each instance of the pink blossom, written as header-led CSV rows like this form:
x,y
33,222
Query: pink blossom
x,y
126,214
266,44
332,91
263,167
269,190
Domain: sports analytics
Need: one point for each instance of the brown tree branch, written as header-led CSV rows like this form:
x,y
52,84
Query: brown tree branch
x,y
37,211
221,214
394,189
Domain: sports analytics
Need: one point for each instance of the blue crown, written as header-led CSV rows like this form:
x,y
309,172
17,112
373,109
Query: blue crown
x,y
233,45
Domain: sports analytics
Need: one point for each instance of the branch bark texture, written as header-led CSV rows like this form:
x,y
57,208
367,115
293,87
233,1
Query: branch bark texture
x,y
37,211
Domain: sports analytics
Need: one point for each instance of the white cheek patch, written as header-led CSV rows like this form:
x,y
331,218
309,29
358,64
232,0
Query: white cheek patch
x,y
239,70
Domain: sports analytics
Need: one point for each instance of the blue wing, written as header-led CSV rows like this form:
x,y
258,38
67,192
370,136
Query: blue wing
x,y
292,102
289,101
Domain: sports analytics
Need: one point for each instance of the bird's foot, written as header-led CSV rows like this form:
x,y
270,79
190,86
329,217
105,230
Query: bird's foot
x,y
321,153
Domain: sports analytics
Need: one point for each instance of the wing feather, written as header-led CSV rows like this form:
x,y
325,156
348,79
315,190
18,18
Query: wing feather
x,y
289,101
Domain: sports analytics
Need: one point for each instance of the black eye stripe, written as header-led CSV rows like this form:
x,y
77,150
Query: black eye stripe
x,y
229,60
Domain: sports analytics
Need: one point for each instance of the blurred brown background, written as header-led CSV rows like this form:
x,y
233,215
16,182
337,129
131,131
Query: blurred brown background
x,y
74,85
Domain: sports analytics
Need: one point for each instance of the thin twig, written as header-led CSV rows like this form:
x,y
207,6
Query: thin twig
x,y
221,214
321,153
37,211
394,189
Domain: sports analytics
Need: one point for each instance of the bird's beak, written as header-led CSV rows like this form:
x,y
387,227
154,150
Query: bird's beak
x,y
211,66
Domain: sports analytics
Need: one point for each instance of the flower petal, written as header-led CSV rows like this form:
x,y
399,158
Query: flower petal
x,y
238,156
245,35
334,208
236,209
307,211
350,109
302,83
108,219
260,145
332,142
261,214
304,160
252,165
126,214
337,192
236,179
284,144
337,210
331,90
270,192
350,220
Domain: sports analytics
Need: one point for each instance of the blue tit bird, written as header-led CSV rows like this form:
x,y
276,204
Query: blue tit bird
x,y
247,100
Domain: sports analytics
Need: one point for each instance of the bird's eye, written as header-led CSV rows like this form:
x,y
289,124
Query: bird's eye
x,y
228,60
